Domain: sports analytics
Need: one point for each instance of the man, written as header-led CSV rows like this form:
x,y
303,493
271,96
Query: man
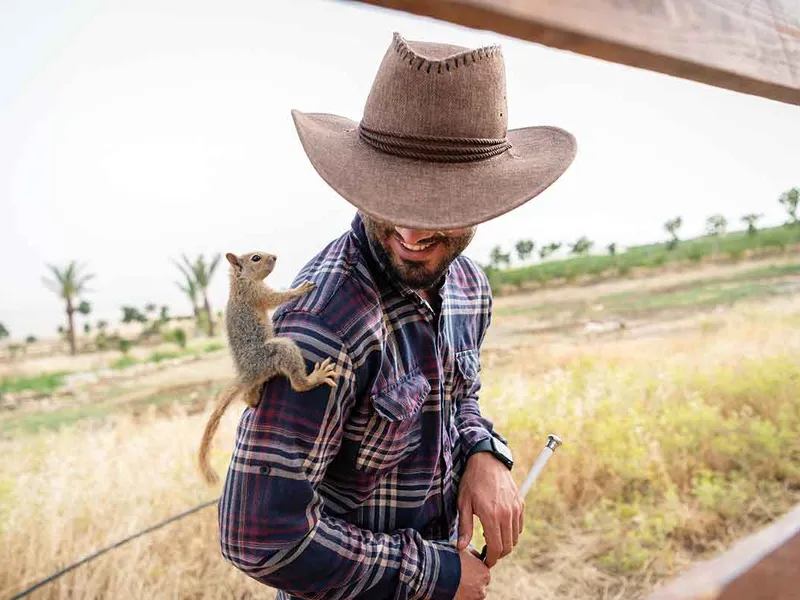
x,y
361,491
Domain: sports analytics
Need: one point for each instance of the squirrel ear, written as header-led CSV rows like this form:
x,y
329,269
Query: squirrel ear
x,y
234,260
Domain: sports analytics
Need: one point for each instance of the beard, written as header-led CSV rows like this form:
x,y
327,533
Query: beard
x,y
418,275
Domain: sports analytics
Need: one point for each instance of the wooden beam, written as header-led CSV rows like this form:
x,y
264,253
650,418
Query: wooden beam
x,y
763,566
751,46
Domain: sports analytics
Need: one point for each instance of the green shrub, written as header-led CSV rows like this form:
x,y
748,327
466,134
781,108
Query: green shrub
x,y
159,356
44,383
124,362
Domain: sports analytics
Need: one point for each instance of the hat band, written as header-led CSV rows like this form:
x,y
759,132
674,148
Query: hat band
x,y
433,148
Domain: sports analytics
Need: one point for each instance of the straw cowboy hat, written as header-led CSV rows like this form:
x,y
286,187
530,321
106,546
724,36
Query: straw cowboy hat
x,y
433,150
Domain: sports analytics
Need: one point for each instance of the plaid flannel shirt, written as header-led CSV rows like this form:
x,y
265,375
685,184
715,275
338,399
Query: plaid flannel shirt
x,y
351,492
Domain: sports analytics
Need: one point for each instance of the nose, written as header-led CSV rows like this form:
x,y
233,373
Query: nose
x,y
413,236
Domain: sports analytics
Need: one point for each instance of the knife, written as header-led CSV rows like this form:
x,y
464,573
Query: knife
x,y
553,442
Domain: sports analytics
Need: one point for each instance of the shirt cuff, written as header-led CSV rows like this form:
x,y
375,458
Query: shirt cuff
x,y
475,437
448,577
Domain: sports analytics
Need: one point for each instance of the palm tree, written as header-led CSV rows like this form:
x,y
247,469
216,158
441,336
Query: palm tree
x,y
672,227
201,273
190,289
751,220
69,283
790,201
524,249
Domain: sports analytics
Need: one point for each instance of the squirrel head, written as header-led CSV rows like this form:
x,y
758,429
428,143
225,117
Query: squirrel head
x,y
253,265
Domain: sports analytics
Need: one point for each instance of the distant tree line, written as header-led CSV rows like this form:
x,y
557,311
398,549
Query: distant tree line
x,y
70,283
716,227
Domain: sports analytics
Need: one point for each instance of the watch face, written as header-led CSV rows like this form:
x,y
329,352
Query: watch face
x,y
502,449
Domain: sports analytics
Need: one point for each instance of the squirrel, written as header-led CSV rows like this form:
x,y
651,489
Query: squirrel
x,y
258,354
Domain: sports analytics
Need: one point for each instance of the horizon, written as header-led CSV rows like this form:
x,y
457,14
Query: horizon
x,y
172,116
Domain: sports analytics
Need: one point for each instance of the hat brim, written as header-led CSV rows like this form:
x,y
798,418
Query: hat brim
x,y
433,195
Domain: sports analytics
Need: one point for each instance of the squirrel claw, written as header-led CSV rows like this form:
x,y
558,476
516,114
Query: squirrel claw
x,y
326,372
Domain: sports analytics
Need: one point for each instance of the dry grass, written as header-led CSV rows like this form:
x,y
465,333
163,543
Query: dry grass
x,y
64,495
674,446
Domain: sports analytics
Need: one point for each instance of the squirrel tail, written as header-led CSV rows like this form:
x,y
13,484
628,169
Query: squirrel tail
x,y
225,399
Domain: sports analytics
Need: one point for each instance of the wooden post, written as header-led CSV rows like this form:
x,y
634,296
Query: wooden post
x,y
763,566
751,46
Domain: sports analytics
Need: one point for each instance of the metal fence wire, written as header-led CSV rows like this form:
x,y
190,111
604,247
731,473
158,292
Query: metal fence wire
x,y
102,551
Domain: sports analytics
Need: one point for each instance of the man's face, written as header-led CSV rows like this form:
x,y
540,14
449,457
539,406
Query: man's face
x,y
417,257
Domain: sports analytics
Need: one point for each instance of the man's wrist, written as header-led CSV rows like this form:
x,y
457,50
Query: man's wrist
x,y
496,448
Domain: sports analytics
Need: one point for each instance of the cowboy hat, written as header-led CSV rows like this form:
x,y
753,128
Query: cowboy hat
x,y
433,150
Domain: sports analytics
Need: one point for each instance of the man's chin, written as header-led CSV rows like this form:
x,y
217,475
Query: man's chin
x,y
416,276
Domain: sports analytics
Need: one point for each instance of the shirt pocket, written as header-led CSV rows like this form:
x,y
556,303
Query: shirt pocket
x,y
468,366
394,429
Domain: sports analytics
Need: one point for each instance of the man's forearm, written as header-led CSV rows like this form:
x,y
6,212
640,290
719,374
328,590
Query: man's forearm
x,y
339,560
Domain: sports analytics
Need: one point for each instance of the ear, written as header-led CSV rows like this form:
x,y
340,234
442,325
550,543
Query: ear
x,y
234,260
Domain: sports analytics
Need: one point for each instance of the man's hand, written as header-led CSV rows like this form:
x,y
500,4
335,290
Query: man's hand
x,y
475,577
488,491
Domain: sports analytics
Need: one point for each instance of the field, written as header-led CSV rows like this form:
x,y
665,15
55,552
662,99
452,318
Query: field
x,y
677,397
687,254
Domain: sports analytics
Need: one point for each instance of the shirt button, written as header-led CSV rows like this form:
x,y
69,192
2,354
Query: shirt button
x,y
265,470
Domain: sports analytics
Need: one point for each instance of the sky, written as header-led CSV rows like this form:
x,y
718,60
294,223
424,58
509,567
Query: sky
x,y
134,131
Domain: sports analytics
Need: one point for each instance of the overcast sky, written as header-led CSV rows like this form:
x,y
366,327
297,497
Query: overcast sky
x,y
132,131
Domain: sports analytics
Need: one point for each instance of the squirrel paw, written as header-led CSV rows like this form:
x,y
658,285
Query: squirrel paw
x,y
325,372
306,287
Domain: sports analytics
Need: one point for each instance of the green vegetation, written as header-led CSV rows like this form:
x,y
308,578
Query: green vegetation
x,y
733,246
124,362
33,423
52,420
703,294
176,336
790,201
161,355
658,462
44,383
70,284
198,274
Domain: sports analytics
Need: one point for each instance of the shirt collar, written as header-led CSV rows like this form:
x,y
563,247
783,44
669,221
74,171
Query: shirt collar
x,y
376,266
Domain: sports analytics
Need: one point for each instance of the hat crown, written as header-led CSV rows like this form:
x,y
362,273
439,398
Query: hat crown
x,y
429,89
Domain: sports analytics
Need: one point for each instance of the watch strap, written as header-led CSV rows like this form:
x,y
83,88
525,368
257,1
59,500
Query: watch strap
x,y
488,445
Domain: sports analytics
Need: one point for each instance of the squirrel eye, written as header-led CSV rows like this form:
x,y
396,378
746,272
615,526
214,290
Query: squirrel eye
x,y
256,257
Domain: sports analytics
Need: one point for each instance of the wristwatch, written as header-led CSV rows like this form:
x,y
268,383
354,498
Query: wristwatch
x,y
498,449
